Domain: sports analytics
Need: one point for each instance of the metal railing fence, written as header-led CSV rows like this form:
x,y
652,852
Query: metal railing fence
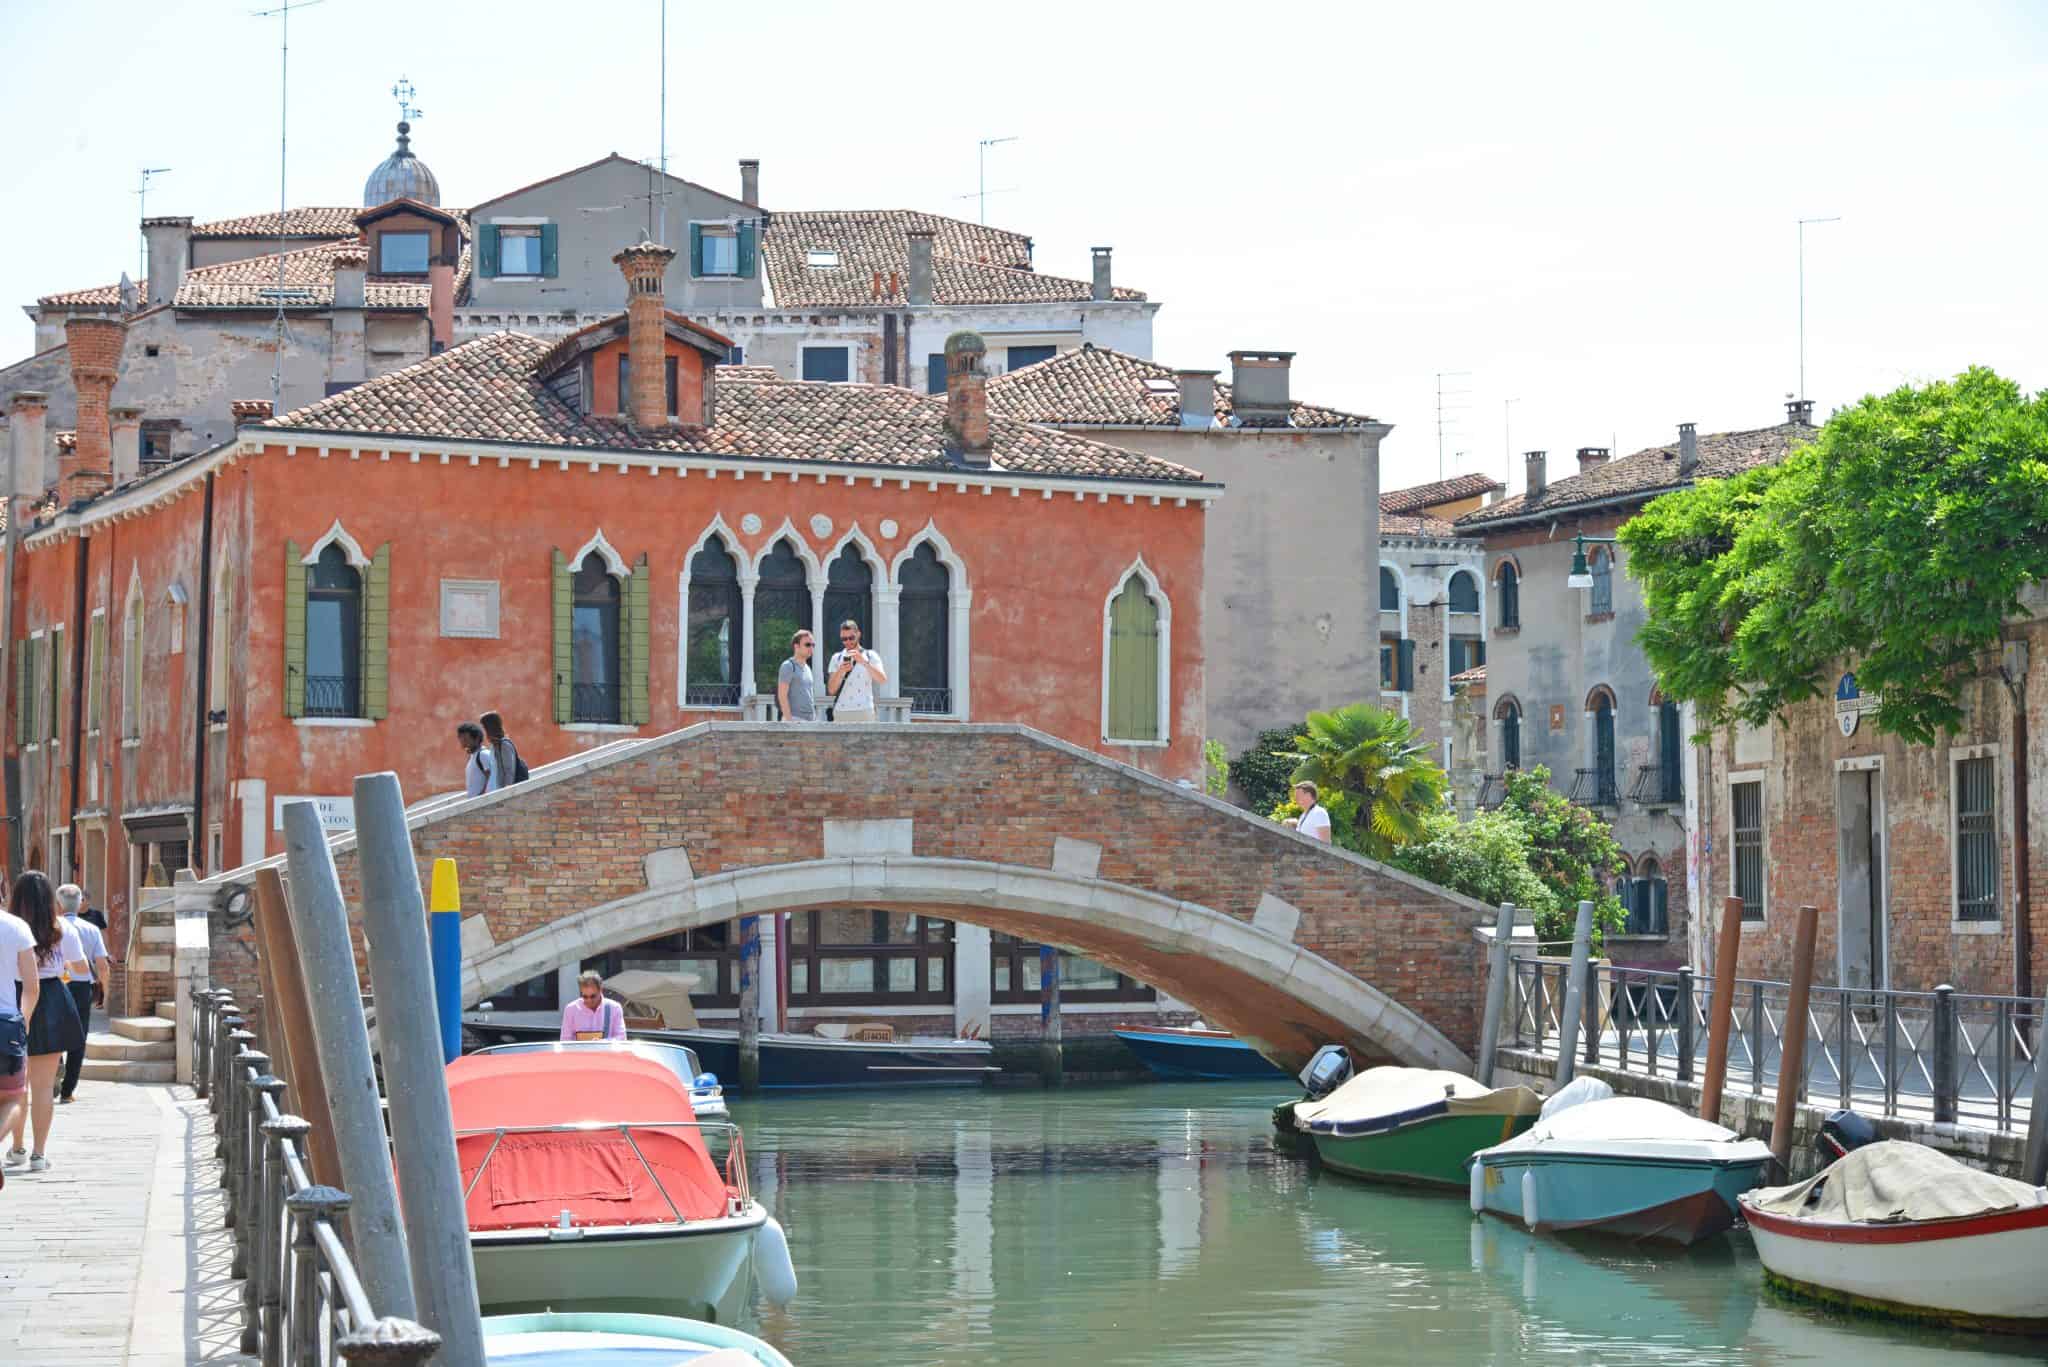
x,y
1946,1056
303,1304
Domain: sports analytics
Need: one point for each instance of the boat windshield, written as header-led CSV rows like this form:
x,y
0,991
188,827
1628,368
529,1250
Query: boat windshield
x,y
679,1059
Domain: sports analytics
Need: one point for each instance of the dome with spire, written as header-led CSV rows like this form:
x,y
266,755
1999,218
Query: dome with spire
x,y
401,176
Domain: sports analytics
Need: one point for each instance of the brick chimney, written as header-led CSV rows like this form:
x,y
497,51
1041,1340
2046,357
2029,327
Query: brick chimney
x,y
27,422
1197,397
249,412
645,266
1799,411
95,348
1534,462
1688,450
441,294
1258,387
1591,457
920,267
125,424
750,180
967,433
170,251
1101,288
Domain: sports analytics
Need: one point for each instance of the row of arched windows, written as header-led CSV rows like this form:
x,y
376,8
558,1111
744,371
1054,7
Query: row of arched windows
x,y
1461,593
1598,784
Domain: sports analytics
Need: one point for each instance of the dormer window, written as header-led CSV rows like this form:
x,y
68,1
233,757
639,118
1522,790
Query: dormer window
x,y
403,253
519,251
721,252
724,250
819,259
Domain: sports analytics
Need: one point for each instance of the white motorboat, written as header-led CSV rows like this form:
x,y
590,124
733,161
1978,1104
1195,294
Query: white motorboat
x,y
1904,1229
707,1096
589,1186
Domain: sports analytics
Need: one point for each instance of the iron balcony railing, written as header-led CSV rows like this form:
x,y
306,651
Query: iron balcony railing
x,y
1947,1056
712,695
331,695
594,702
1594,788
303,1303
1654,787
930,700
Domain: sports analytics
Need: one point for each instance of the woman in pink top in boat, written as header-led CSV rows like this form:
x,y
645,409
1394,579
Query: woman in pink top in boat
x,y
592,1015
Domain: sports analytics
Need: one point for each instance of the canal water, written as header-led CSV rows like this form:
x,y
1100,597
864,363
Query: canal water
x,y
1154,1224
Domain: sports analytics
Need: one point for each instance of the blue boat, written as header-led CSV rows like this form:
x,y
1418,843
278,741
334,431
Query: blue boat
x,y
617,1340
1184,1052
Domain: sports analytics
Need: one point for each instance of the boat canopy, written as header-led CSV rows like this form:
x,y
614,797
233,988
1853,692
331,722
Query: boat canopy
x,y
1893,1182
1382,1098
662,995
523,1167
1618,1119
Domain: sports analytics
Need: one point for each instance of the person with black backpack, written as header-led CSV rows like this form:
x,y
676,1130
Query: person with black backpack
x,y
506,766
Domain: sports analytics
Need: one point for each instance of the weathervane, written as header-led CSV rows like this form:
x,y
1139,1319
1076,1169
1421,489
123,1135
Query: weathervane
x,y
403,93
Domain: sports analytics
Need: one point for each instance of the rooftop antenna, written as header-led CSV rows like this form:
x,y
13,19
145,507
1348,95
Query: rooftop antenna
x,y
1442,408
142,210
651,230
981,165
1802,295
283,15
1507,439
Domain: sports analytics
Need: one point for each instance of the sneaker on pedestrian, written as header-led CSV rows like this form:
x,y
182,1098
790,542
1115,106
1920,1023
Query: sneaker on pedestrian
x,y
38,1163
16,1157
64,1100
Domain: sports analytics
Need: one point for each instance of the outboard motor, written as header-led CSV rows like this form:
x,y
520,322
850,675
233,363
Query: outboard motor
x,y
1843,1131
1327,1071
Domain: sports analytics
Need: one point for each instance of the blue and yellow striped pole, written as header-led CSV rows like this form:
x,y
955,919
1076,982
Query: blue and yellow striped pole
x,y
444,934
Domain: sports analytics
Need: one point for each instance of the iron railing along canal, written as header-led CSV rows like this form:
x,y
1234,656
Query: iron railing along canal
x,y
1946,1056
303,1303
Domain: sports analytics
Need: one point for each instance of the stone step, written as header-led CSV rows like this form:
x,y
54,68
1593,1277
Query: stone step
x,y
167,1010
122,1049
109,1070
149,1028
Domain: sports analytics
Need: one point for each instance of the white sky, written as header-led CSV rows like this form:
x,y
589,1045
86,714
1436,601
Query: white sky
x,y
1589,208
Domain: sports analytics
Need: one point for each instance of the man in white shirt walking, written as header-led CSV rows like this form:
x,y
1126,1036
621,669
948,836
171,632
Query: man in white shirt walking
x,y
1313,822
854,673
70,902
477,771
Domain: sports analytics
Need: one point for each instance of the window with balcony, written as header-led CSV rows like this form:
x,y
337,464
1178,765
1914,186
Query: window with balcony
x,y
924,625
334,635
712,644
595,672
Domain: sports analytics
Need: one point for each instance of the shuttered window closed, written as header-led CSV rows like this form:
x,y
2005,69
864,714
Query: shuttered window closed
x,y
1134,664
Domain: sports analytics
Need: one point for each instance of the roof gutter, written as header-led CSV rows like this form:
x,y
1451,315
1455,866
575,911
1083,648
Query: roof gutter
x,y
1568,509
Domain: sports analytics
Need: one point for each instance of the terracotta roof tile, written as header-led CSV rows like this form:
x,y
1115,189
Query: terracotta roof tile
x,y
492,390
251,282
1099,387
323,221
98,296
1399,524
1648,472
1442,491
971,264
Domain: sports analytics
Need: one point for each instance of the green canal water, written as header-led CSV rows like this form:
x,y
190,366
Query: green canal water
x,y
1154,1224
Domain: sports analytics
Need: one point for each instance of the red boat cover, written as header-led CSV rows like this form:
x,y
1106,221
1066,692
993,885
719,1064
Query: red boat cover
x,y
594,1174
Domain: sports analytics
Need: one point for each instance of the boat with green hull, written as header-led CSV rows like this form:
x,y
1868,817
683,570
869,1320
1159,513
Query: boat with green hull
x,y
1416,1126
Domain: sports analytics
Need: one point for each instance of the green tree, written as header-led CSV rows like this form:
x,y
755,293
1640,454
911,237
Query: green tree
x,y
1572,852
1486,858
1215,769
1897,541
1264,770
1374,773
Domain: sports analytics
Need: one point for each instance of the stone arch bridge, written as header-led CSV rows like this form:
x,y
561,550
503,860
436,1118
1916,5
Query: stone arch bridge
x,y
1287,942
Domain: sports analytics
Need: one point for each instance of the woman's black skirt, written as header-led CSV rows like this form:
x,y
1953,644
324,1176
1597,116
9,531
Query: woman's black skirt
x,y
54,1029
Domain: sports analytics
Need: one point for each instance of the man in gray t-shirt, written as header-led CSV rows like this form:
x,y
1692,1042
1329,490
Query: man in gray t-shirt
x,y
795,688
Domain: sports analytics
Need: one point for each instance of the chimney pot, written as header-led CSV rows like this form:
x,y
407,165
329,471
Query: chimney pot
x,y
94,345
1799,411
750,180
1688,449
1259,388
1591,456
1197,397
27,423
920,267
968,439
249,412
125,423
645,267
1101,288
1534,462
170,251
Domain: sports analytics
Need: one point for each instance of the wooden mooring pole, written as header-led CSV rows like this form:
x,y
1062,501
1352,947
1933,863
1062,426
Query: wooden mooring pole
x,y
1727,949
1499,967
1051,1060
1574,996
291,1019
1792,1041
750,1004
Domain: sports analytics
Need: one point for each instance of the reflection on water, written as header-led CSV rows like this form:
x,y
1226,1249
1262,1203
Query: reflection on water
x,y
1154,1225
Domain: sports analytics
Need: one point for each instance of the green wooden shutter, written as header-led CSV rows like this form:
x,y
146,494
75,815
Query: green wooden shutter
x,y
294,632
565,614
377,635
638,654
550,258
23,672
95,672
696,249
1133,664
487,251
1404,667
60,678
748,235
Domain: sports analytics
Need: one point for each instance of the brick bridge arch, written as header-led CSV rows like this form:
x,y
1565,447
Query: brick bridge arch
x,y
1287,942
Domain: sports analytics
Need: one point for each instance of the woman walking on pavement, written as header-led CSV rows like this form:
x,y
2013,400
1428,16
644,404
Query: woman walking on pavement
x,y
17,961
53,1025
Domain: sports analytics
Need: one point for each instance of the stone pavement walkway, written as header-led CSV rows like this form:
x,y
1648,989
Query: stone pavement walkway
x,y
116,1257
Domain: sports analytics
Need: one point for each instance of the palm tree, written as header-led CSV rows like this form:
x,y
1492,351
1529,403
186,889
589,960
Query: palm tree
x,y
1378,762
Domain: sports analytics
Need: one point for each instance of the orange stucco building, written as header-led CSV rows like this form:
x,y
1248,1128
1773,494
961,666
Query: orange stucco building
x,y
600,536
